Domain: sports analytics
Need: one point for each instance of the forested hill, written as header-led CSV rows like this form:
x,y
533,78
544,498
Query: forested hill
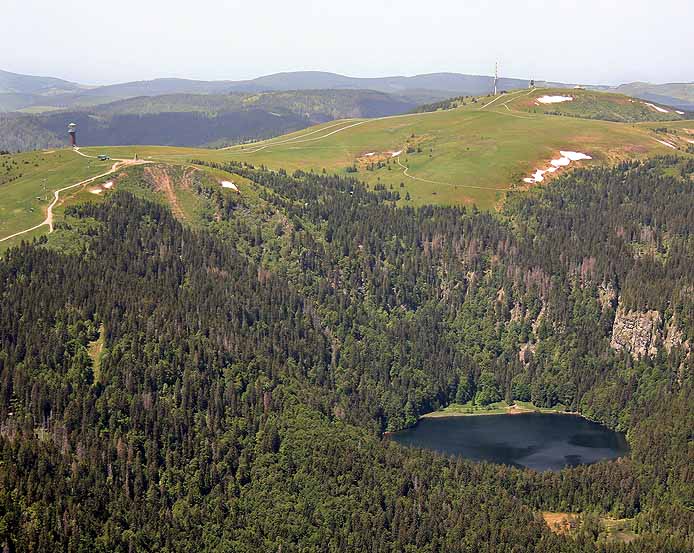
x,y
224,386
195,119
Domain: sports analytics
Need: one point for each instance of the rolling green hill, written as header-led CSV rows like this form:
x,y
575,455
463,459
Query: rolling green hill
x,y
473,154
576,102
468,155
590,104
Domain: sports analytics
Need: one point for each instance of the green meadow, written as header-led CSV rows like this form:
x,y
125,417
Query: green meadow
x,y
460,156
27,183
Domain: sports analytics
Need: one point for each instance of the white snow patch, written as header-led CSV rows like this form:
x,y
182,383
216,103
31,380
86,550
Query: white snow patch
x,y
657,108
666,144
554,99
108,185
575,156
369,154
561,162
679,112
96,191
395,154
229,184
690,141
556,164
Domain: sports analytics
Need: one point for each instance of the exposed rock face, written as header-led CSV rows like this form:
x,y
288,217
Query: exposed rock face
x,y
674,337
637,332
536,323
608,295
525,355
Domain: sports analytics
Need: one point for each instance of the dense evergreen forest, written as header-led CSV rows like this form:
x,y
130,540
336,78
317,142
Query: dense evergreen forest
x,y
226,386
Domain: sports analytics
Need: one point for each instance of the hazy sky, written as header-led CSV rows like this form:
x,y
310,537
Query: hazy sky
x,y
595,41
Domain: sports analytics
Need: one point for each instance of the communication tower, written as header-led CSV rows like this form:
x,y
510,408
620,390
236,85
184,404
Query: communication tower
x,y
496,77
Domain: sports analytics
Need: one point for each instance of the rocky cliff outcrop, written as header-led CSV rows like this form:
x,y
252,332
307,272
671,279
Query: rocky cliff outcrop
x,y
526,352
673,337
638,332
607,295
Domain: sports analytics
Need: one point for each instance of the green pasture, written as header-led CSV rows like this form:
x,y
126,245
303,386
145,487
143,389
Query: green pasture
x,y
460,156
27,183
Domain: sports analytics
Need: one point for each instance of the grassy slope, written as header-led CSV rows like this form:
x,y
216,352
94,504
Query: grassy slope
x,y
678,133
23,202
194,210
471,154
589,104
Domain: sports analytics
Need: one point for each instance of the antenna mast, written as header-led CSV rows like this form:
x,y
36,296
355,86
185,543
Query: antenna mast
x,y
496,77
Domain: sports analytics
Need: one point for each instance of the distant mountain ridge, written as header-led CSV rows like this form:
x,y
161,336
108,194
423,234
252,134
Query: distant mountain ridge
x,y
18,92
14,83
677,95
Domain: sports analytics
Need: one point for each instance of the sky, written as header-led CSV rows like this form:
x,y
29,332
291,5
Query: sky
x,y
587,41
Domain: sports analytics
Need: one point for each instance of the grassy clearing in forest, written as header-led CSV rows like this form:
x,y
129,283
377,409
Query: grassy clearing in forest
x,y
603,529
498,408
95,350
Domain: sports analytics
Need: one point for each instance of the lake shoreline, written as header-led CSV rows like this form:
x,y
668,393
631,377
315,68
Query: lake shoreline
x,y
545,441
514,409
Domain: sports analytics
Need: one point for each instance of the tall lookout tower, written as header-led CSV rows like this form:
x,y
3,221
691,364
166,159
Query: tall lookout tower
x,y
72,131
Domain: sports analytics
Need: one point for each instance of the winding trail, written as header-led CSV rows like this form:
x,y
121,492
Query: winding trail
x,y
253,149
301,138
407,174
120,163
343,124
509,95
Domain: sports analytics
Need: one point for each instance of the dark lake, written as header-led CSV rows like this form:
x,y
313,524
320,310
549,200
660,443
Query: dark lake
x,y
534,440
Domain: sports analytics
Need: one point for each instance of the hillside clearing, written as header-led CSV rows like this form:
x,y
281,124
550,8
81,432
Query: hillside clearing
x,y
608,529
499,408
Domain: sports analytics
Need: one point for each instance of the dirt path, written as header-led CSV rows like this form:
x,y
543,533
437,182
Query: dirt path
x,y
56,195
251,149
499,97
407,174
301,138
163,182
